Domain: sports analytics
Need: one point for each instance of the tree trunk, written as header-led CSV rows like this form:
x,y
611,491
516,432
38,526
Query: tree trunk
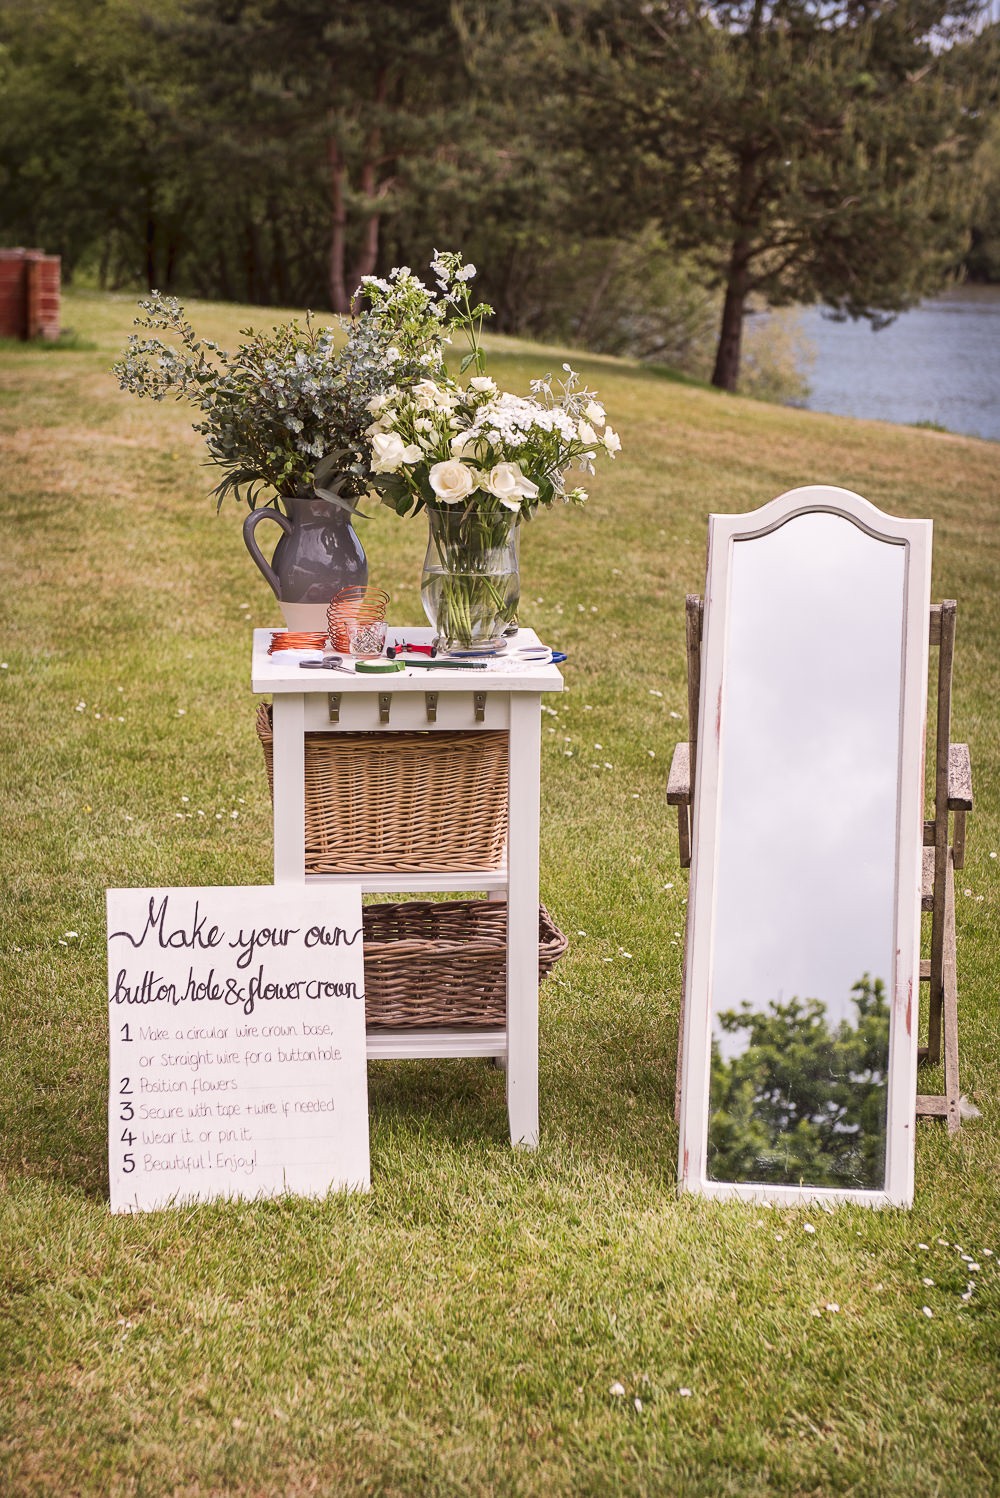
x,y
339,299
368,258
368,255
170,269
149,250
251,261
104,267
278,275
726,374
597,296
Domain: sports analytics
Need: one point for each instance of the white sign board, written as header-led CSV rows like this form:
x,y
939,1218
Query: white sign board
x,y
237,1035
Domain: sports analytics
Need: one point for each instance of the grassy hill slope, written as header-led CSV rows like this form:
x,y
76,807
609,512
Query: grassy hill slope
x,y
457,1331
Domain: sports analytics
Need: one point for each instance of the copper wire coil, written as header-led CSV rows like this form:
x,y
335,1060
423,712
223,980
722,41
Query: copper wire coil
x,y
354,605
287,639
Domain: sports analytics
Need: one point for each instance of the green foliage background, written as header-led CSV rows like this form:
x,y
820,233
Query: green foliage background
x,y
625,174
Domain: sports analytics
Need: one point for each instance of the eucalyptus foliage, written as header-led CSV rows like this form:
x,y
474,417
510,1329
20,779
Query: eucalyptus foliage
x,y
287,410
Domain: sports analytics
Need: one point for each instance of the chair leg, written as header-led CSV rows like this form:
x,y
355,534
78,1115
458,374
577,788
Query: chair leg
x,y
944,982
939,943
949,986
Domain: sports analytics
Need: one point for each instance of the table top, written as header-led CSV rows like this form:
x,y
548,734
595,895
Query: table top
x,y
282,673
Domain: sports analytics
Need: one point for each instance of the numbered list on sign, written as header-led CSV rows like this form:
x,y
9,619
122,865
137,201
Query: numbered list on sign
x,y
237,1044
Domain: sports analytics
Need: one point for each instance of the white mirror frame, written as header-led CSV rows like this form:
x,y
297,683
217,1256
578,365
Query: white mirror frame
x,y
724,532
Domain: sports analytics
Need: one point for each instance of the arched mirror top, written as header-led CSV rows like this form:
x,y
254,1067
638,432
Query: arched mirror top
x,y
815,499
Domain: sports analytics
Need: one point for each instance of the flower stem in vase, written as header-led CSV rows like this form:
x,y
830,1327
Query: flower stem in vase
x,y
471,584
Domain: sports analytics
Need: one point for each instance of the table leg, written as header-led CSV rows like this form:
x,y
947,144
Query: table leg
x,y
288,725
522,918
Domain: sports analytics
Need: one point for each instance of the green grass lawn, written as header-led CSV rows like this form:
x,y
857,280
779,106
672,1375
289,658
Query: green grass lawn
x,y
459,1330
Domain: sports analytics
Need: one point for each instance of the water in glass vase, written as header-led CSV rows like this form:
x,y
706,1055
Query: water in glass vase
x,y
471,581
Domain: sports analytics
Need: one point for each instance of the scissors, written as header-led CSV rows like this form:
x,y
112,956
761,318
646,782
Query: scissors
x,y
328,663
540,653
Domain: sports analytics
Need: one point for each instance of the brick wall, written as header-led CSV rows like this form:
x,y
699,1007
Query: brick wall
x,y
29,294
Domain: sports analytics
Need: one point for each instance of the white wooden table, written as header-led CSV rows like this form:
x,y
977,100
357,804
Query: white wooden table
x,y
501,697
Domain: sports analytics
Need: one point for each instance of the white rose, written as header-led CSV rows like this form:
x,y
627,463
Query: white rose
x,y
586,433
483,384
388,452
510,485
594,412
425,393
452,481
431,397
461,443
612,441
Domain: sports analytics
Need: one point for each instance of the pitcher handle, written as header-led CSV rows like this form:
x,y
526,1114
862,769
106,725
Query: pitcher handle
x,y
269,512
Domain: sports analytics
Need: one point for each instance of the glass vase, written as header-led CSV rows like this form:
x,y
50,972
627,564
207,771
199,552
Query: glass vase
x,y
471,583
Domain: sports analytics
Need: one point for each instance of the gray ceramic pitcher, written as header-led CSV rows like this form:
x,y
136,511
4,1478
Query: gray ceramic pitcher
x,y
318,554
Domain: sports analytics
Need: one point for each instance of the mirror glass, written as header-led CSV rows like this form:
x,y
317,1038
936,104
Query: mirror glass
x,y
803,928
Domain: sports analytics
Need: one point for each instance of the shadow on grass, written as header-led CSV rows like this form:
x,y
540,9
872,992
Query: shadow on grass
x,y
58,1134
606,1083
459,1103
68,342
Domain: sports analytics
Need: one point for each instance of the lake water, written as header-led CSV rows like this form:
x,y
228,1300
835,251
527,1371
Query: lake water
x,y
939,363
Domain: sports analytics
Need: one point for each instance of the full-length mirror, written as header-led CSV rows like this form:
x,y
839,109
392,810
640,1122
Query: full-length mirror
x,y
805,880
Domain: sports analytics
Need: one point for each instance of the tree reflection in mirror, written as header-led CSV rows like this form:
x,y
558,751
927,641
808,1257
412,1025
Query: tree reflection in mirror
x,y
798,1099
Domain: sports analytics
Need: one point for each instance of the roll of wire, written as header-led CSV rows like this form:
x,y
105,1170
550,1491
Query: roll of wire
x,y
288,639
354,605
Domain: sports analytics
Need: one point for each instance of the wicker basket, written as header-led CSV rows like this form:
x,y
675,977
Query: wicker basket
x,y
396,803
443,963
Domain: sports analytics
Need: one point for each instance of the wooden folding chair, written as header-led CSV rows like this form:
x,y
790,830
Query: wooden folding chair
x,y
944,852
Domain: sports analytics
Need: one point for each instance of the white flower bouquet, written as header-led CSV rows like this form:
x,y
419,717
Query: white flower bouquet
x,y
480,460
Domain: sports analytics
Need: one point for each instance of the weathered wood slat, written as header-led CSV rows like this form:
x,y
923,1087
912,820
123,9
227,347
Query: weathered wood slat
x,y
946,657
950,984
953,794
684,837
959,778
679,795
679,778
931,1105
927,893
958,841
694,613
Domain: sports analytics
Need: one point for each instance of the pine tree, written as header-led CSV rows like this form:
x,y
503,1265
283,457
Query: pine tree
x,y
803,150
